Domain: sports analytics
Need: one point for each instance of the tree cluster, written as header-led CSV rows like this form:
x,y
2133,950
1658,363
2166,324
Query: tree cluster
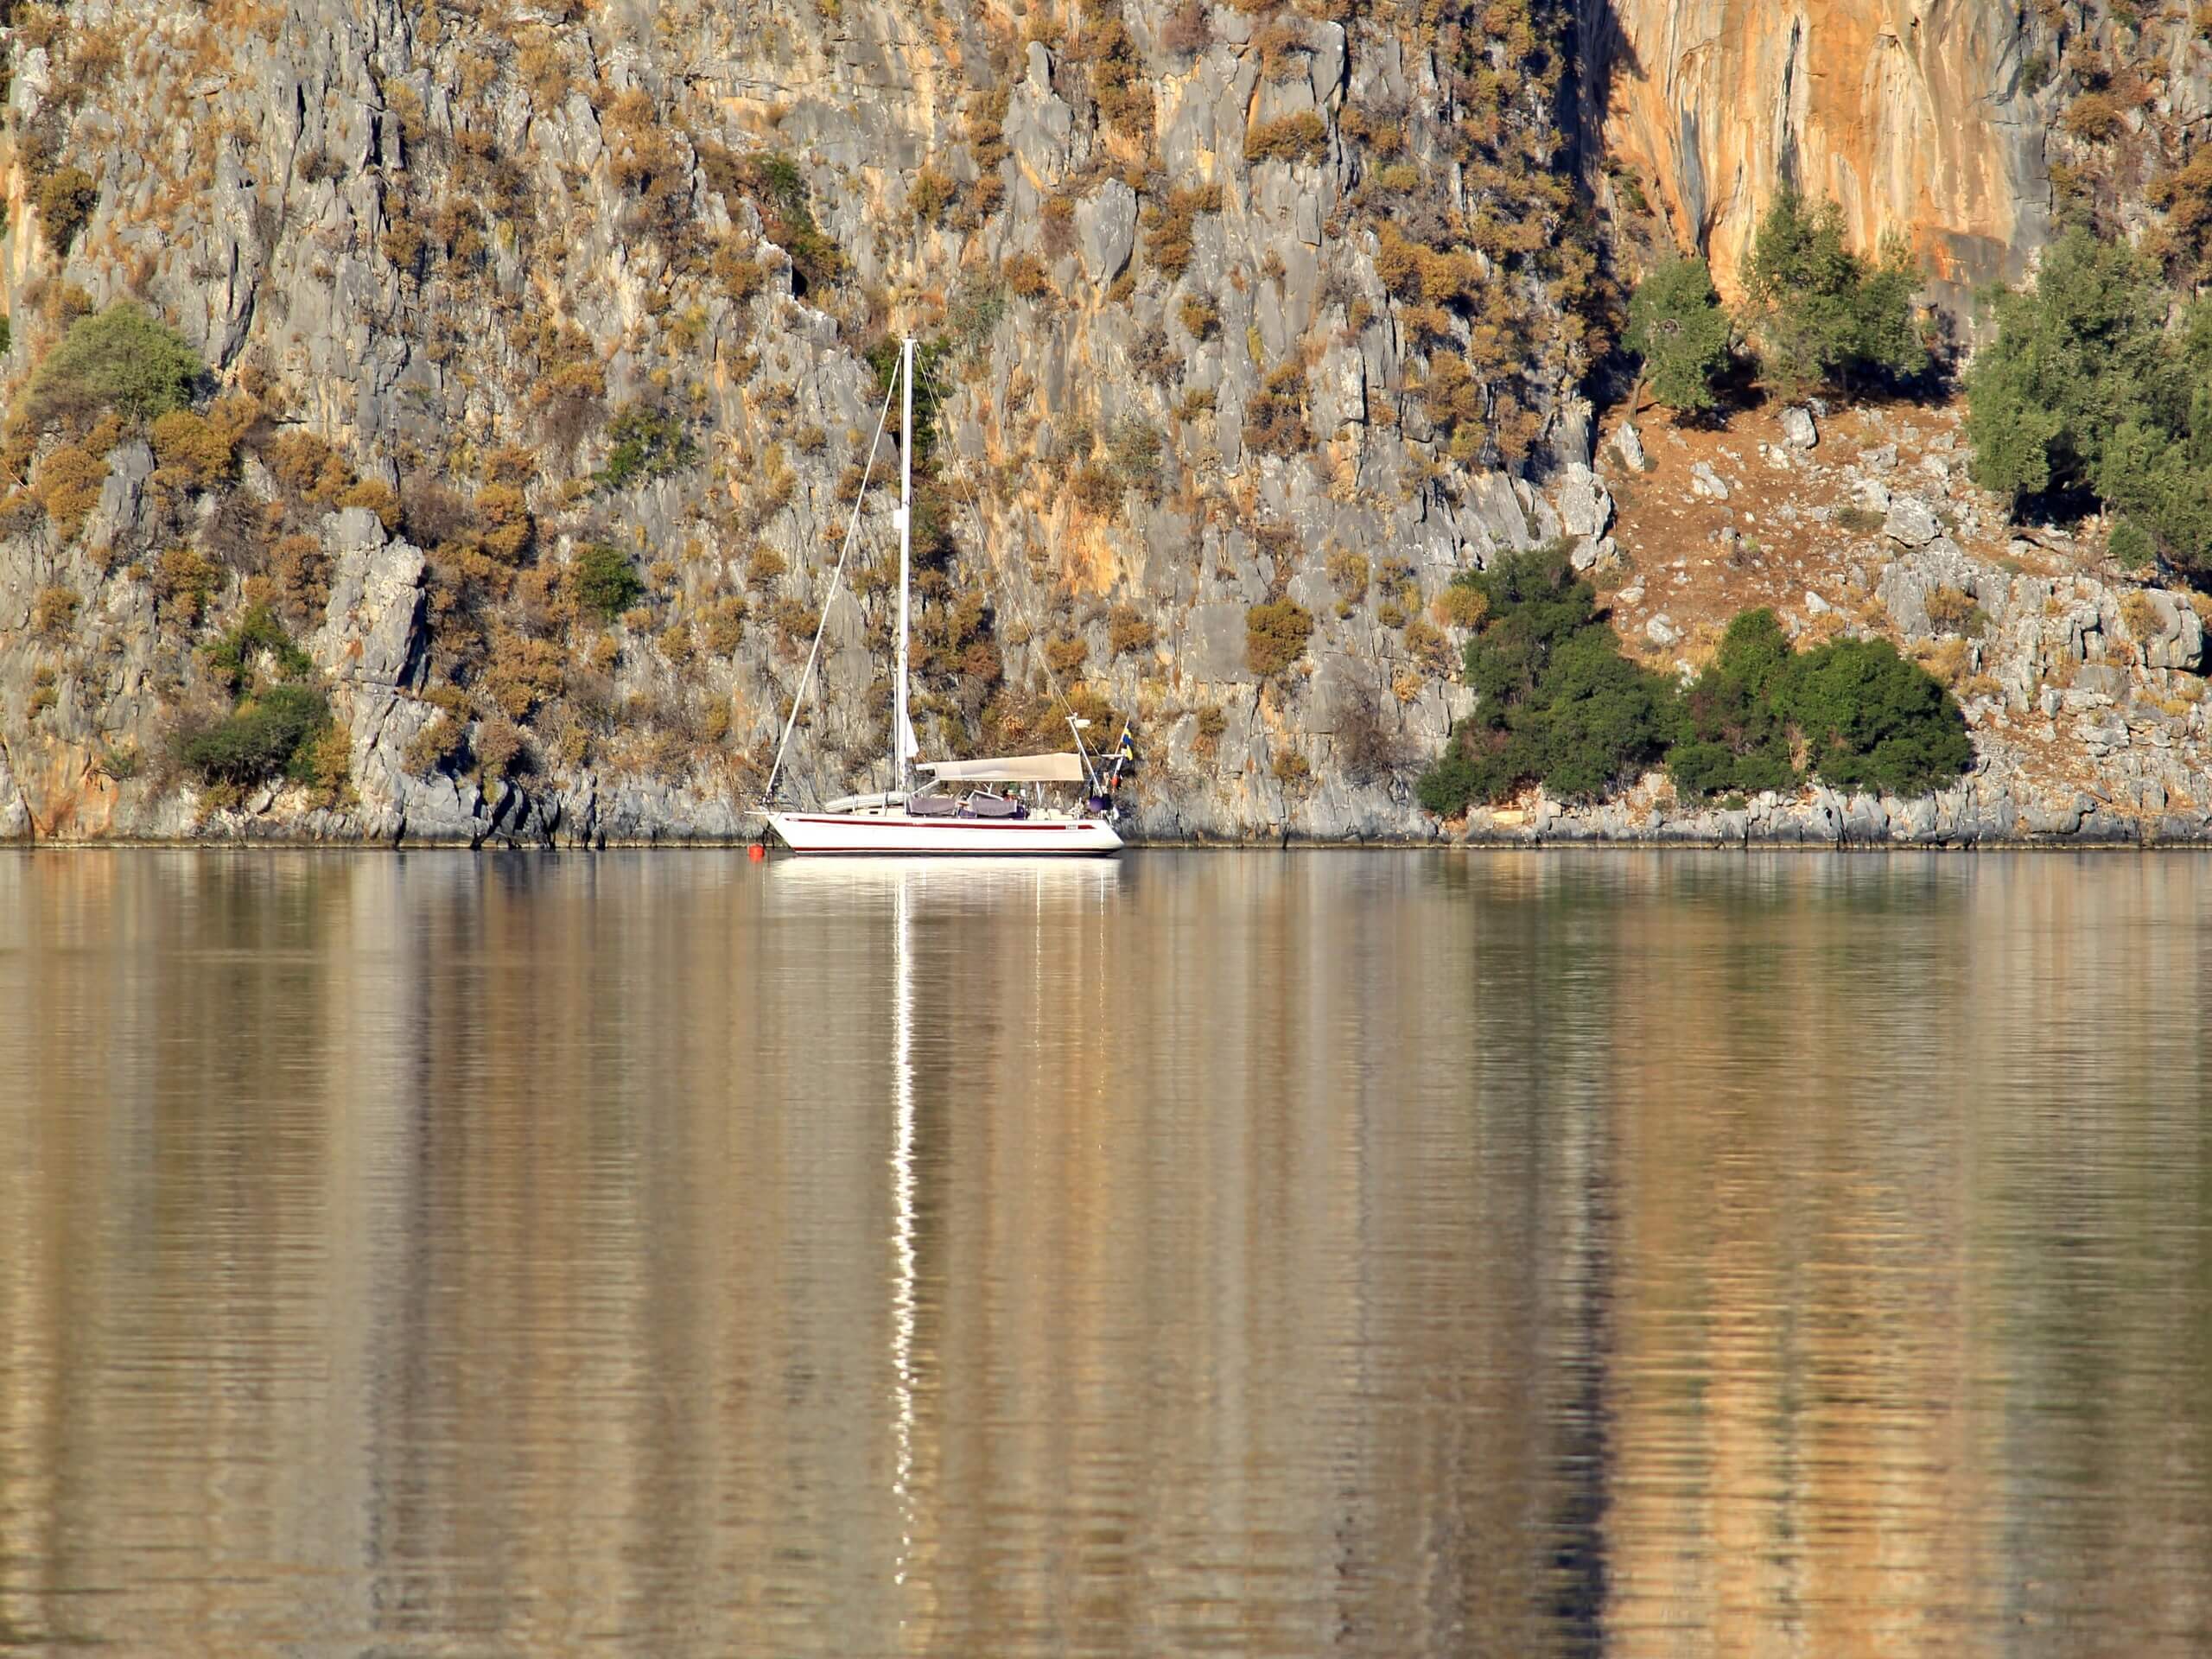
x,y
2089,391
1561,706
1814,314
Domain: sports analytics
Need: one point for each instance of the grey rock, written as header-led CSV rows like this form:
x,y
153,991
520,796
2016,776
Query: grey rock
x,y
1797,428
1660,629
1106,230
1912,521
2101,732
1585,507
376,602
1880,458
15,810
1629,442
1706,482
1498,519
115,525
1571,434
2166,628
1214,645
2053,818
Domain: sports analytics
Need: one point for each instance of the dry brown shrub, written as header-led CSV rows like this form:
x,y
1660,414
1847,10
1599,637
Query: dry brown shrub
x,y
1170,226
1066,654
67,484
522,672
300,570
1274,419
1299,138
1129,629
1275,635
53,612
378,498
192,451
508,529
309,468
1026,277
184,581
1367,750
66,198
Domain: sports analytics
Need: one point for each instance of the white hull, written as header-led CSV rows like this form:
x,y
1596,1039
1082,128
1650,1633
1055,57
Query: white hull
x,y
895,833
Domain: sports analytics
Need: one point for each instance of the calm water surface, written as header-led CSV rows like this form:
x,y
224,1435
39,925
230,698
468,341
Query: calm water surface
x,y
1386,1254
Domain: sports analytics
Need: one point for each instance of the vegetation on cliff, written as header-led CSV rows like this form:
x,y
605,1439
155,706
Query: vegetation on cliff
x,y
2088,390
1677,327
1559,705
1816,315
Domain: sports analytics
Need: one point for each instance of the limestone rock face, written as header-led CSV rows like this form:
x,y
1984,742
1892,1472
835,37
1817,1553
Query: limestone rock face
x,y
1220,311
447,255
1913,117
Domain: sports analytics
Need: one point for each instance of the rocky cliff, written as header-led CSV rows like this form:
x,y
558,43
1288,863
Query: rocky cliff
x,y
1201,289
1224,309
1967,131
1917,118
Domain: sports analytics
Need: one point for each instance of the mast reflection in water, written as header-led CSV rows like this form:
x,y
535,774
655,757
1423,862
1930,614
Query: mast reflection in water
x,y
1387,1254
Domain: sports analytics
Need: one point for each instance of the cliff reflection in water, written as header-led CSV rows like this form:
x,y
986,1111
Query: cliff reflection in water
x,y
1333,1252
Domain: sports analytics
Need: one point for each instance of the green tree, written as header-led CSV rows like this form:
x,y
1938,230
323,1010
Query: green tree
x,y
259,634
1731,738
2088,388
268,733
605,583
1871,719
1821,314
120,359
1556,701
2075,357
1676,325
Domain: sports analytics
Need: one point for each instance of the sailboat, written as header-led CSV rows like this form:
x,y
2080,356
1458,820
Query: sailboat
x,y
963,808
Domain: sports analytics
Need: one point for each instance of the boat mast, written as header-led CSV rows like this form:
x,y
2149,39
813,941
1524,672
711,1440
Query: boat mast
x,y
900,726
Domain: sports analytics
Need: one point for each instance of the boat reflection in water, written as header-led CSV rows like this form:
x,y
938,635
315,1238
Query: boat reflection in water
x,y
673,1255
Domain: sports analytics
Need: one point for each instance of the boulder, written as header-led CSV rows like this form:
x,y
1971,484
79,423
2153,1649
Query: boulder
x,y
1912,521
1659,630
1585,508
1797,428
117,523
1706,482
2165,627
1629,442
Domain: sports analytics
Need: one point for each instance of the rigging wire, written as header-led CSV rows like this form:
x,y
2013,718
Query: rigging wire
x,y
852,529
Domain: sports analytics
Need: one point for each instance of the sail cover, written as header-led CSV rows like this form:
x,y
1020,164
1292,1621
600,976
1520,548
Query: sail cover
x,y
1009,769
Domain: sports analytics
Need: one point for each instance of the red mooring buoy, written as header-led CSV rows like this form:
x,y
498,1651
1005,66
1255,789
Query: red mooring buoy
x,y
756,852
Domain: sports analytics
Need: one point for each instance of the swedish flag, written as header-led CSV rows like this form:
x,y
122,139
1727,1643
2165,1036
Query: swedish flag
x,y
1127,748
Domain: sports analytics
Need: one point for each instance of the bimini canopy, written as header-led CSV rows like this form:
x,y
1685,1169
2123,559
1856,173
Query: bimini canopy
x,y
1009,769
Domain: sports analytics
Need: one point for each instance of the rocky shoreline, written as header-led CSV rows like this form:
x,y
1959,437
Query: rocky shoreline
x,y
1825,820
